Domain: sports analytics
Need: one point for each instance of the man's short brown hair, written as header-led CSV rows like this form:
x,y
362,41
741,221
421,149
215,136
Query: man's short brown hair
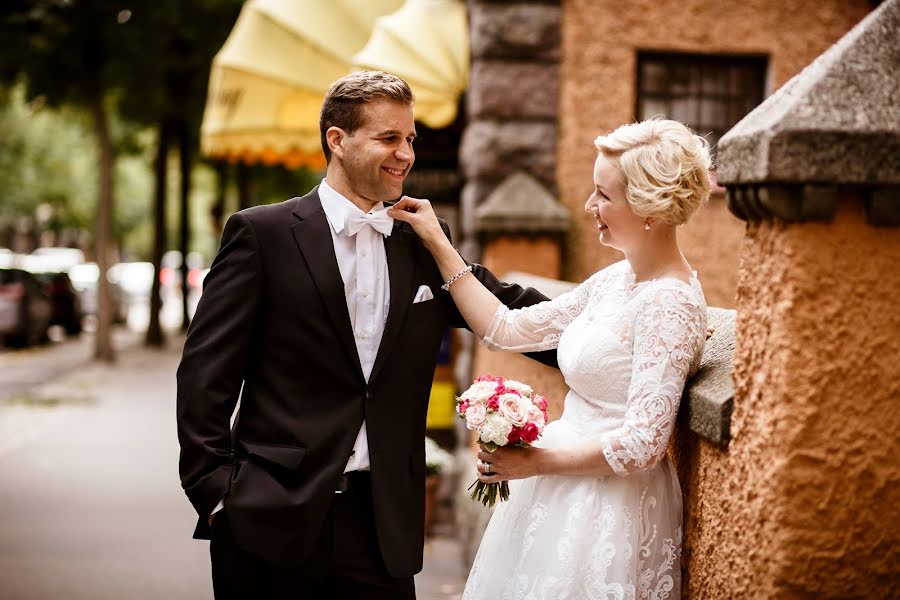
x,y
342,106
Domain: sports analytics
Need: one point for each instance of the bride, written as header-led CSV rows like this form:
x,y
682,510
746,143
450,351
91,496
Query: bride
x,y
596,508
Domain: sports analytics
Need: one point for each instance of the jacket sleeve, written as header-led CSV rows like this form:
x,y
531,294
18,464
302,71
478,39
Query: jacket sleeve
x,y
213,365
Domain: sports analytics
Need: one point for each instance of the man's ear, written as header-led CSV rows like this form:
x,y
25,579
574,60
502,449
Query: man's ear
x,y
335,137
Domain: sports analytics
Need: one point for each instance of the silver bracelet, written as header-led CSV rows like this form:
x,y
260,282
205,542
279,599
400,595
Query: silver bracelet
x,y
446,286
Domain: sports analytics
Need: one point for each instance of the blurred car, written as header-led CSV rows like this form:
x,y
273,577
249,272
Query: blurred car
x,y
58,259
66,300
84,279
51,266
25,308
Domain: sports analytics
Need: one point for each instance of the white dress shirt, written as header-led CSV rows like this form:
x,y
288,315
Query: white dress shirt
x,y
363,265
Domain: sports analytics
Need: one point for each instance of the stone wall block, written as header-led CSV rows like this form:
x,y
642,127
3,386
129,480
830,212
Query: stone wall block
x,y
473,194
504,90
518,31
496,150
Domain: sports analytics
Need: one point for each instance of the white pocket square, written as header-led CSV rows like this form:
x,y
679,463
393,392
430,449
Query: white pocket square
x,y
423,294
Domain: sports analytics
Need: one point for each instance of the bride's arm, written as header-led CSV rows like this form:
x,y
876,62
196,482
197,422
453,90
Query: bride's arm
x,y
669,332
475,303
536,327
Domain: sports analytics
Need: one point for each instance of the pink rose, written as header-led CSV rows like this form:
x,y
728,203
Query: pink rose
x,y
494,402
540,402
514,409
475,415
462,406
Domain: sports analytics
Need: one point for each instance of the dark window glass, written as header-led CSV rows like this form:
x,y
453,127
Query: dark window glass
x,y
708,93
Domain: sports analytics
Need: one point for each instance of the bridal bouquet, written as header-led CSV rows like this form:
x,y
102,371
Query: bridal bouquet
x,y
503,412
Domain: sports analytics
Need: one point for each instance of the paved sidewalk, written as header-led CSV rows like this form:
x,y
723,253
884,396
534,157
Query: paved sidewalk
x,y
91,506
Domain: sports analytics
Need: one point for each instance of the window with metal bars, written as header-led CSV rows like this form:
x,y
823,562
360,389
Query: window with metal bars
x,y
708,93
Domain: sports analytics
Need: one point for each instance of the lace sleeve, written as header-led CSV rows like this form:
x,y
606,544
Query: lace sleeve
x,y
669,333
538,327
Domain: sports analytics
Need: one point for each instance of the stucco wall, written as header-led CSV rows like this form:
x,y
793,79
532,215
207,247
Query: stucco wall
x,y
804,503
600,43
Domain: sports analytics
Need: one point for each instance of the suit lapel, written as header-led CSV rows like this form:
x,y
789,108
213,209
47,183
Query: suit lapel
x,y
313,236
398,249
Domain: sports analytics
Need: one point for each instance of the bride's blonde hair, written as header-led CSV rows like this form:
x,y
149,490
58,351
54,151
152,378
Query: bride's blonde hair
x,y
666,167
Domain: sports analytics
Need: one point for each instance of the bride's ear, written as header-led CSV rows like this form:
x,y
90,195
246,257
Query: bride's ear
x,y
335,137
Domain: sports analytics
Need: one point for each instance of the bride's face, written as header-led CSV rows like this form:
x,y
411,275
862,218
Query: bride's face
x,y
617,224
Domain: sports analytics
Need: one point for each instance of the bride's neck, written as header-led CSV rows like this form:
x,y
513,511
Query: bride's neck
x,y
658,256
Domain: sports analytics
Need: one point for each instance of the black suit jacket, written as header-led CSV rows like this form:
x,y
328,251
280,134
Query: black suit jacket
x,y
272,327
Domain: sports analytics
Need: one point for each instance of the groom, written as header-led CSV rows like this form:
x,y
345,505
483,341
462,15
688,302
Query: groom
x,y
325,318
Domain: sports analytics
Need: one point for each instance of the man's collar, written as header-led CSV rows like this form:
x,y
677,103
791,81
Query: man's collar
x,y
337,206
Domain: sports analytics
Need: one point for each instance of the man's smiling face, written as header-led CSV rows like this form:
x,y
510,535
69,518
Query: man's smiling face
x,y
377,157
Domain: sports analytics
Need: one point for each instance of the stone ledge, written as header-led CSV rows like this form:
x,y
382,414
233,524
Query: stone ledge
x,y
883,206
796,203
790,203
837,122
709,394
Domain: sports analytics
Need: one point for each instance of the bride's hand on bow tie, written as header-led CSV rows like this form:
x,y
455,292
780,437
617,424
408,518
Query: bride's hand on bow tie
x,y
419,214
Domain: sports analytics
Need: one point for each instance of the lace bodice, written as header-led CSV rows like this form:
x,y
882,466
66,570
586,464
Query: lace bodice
x,y
625,351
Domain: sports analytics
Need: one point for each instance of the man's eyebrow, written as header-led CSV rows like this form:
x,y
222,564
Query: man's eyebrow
x,y
392,132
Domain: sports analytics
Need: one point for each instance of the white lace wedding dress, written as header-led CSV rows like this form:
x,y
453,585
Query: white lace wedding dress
x,y
625,351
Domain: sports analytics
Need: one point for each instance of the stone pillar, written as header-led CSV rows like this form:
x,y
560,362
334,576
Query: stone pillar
x,y
804,500
512,101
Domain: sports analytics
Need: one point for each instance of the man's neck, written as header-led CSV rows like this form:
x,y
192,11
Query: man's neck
x,y
342,187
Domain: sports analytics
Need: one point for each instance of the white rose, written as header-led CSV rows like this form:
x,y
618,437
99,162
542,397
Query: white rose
x,y
495,429
475,415
514,409
480,391
522,388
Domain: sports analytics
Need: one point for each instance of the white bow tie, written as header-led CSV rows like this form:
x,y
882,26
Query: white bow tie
x,y
379,221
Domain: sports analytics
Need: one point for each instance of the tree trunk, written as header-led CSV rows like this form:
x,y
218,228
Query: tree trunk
x,y
155,335
185,154
246,191
103,237
217,212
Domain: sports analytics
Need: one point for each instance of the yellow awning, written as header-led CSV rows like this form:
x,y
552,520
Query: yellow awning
x,y
268,80
425,42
